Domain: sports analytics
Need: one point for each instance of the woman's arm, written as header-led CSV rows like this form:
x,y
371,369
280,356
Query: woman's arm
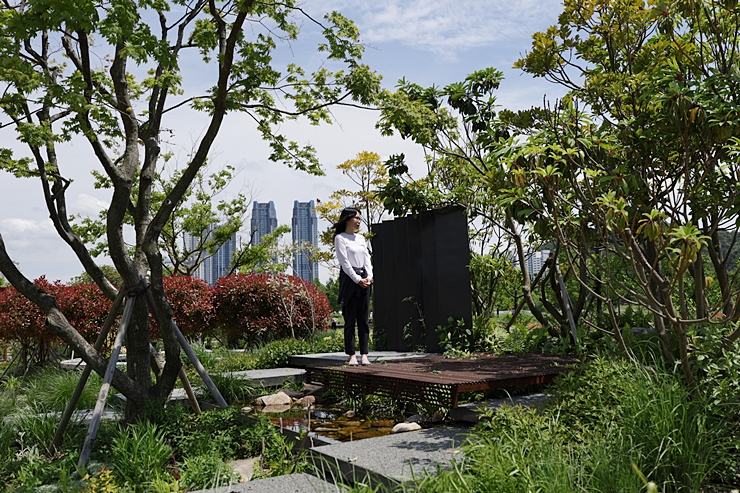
x,y
341,247
368,262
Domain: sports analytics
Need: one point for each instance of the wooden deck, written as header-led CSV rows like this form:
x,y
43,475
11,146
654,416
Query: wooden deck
x,y
437,381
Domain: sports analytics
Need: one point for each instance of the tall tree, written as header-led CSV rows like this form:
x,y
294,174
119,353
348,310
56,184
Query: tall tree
x,y
109,73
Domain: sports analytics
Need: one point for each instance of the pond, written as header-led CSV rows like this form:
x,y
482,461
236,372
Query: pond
x,y
334,423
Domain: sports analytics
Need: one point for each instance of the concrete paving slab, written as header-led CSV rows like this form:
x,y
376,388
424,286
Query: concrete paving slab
x,y
338,359
78,364
471,411
274,377
293,483
81,415
390,460
178,394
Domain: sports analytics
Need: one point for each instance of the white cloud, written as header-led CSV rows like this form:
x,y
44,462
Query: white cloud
x,y
87,205
25,236
447,27
17,225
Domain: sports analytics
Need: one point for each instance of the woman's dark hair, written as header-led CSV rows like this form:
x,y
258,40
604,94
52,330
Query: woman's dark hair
x,y
347,214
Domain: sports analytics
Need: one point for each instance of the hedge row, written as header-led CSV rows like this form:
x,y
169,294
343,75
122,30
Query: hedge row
x,y
257,307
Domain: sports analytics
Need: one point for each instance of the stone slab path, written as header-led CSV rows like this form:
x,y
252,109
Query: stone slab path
x,y
389,460
293,483
274,377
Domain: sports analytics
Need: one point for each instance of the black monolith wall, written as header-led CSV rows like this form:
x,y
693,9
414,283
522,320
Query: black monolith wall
x,y
423,260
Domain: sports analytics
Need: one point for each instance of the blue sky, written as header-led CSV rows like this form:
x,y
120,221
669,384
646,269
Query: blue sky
x,y
427,42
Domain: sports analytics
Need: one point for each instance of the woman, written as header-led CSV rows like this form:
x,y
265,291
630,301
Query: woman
x,y
355,278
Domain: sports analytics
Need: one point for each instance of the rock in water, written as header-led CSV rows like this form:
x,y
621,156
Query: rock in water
x,y
279,399
404,427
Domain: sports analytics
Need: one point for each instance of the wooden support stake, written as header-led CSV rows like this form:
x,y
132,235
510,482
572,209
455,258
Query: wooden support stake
x,y
183,376
105,388
87,370
199,367
158,365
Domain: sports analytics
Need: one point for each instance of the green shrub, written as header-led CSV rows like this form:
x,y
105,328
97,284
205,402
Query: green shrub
x,y
522,450
7,441
235,362
275,354
140,454
207,471
36,430
227,433
330,341
606,416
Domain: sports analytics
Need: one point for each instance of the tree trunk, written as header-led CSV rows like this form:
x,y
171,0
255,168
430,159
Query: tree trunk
x,y
526,279
651,256
137,355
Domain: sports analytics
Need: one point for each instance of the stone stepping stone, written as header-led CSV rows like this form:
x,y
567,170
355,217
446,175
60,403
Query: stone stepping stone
x,y
390,460
274,377
292,483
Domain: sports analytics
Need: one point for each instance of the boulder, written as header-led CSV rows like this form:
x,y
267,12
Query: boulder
x,y
245,467
279,399
275,409
307,401
404,427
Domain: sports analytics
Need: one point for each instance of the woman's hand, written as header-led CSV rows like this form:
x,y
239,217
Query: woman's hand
x,y
364,283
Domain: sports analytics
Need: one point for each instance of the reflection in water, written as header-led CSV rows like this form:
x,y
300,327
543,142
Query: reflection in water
x,y
333,424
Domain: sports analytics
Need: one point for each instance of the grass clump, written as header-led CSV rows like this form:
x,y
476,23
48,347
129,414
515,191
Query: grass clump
x,y
52,389
207,471
609,423
140,454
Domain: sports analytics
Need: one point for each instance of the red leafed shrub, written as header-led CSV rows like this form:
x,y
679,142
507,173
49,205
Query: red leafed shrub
x,y
20,320
86,308
263,307
192,304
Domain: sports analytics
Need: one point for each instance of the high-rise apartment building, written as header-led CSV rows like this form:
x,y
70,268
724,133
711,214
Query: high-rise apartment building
x,y
305,233
217,265
535,260
264,220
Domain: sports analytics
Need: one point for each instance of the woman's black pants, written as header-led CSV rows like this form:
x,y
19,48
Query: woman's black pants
x,y
355,311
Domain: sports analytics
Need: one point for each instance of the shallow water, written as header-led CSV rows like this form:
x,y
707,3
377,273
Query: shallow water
x,y
333,423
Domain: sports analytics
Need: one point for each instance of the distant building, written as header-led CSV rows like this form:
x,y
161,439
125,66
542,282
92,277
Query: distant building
x,y
217,265
264,220
535,260
305,232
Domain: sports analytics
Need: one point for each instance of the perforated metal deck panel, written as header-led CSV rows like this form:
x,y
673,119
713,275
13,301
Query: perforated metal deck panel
x,y
437,381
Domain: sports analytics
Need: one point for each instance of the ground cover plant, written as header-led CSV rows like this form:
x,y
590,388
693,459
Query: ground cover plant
x,y
172,449
611,426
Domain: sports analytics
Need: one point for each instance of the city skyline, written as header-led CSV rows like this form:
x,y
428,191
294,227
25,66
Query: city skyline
x,y
304,229
263,221
217,265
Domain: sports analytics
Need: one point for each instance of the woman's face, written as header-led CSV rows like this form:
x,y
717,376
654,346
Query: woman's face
x,y
353,224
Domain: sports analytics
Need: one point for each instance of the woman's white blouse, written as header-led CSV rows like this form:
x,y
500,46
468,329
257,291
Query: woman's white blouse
x,y
352,252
